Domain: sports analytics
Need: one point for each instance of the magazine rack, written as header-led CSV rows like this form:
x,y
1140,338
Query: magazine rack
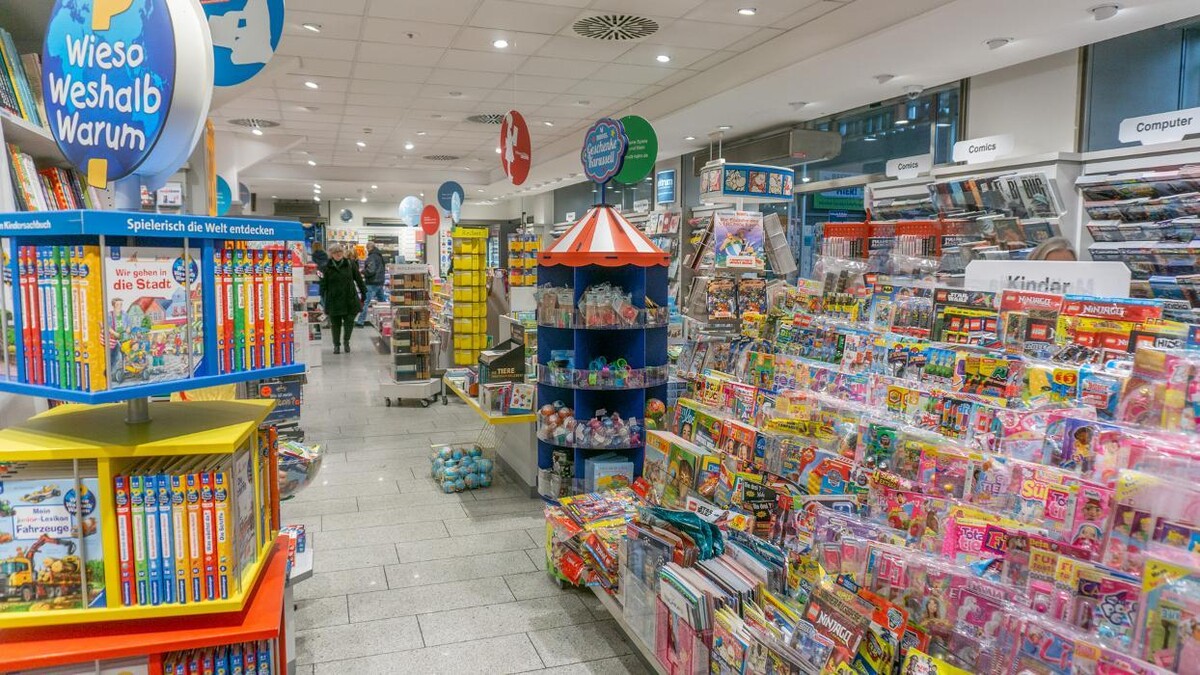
x,y
603,247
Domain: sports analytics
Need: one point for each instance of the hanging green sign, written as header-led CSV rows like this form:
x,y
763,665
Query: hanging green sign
x,y
642,152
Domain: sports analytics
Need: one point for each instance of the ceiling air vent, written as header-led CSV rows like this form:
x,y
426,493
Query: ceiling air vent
x,y
487,118
254,123
615,27
441,158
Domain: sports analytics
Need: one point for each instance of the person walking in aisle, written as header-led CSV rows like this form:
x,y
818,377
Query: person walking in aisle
x,y
376,276
342,289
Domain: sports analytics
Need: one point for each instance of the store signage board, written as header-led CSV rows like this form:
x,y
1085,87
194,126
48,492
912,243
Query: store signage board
x,y
570,216
641,206
985,149
139,49
410,210
446,192
908,167
603,150
664,187
516,147
1167,127
723,183
642,151
431,220
245,35
126,224
1081,278
346,215
224,196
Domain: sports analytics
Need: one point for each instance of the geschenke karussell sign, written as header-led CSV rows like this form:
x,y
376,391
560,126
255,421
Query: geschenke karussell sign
x,y
109,74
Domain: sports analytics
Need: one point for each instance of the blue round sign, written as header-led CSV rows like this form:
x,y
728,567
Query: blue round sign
x,y
603,150
224,196
446,193
410,210
108,76
244,195
245,35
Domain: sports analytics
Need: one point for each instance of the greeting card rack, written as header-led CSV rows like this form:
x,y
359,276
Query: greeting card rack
x,y
577,423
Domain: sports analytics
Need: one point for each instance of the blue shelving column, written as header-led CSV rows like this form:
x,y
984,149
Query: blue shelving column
x,y
573,386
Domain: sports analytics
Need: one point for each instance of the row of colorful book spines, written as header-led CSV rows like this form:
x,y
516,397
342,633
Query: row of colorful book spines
x,y
247,658
60,296
16,94
175,537
256,329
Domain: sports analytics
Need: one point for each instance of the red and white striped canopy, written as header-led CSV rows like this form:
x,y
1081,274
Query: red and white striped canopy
x,y
603,237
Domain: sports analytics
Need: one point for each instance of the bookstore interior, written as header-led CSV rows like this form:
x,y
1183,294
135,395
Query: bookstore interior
x,y
752,337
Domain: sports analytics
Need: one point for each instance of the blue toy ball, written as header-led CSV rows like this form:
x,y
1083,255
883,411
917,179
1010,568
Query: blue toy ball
x,y
460,485
471,480
457,454
447,487
484,465
444,452
476,451
485,480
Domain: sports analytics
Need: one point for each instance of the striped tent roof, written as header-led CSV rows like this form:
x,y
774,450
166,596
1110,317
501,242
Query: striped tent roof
x,y
603,237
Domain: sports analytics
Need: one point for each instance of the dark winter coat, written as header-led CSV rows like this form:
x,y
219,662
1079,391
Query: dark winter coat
x,y
342,288
376,272
320,259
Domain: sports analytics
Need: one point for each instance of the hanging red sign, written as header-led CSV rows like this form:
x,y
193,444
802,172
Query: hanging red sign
x,y
515,147
431,220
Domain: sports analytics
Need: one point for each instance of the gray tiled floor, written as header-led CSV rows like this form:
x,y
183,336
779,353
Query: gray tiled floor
x,y
410,580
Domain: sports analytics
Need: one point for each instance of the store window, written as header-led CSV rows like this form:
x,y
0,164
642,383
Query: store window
x,y
1144,73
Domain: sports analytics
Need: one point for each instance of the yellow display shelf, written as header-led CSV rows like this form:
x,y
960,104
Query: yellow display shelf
x,y
235,603
529,418
100,432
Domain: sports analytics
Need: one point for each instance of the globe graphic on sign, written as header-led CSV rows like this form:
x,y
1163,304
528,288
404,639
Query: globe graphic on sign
x,y
122,128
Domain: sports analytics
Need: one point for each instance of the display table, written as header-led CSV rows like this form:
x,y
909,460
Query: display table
x,y
512,436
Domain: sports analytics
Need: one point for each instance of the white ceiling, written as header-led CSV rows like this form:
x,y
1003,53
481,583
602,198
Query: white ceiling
x,y
387,69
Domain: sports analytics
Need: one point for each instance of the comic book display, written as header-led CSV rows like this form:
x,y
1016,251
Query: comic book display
x,y
924,480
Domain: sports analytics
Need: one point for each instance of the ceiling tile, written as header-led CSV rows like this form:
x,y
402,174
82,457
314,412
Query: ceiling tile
x,y
323,67
481,61
768,12
338,26
666,8
481,39
391,73
462,78
519,99
404,55
317,47
712,60
755,39
554,85
646,54
442,91
340,7
540,65
702,34
523,16
311,97
567,47
619,72
602,88
447,106
810,13
373,87
455,12
394,31
594,102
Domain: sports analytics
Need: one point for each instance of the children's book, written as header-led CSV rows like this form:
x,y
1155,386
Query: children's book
x,y
738,239
153,316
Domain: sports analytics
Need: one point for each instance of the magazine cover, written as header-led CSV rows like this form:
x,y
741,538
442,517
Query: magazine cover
x,y
738,239
42,555
153,315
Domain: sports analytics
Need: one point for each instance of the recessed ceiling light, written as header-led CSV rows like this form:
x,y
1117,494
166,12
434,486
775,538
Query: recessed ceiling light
x,y
724,127
420,133
455,94
311,163
409,146
361,144
689,138
314,27
312,85
374,187
498,151
274,197
997,43
583,101
435,116
316,199
421,193
884,78
500,44
806,179
479,189
363,200
663,58
256,131
943,124
747,11
307,108
317,185
1105,11
548,123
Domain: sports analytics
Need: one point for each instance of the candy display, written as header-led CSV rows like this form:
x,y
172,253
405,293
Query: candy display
x,y
460,467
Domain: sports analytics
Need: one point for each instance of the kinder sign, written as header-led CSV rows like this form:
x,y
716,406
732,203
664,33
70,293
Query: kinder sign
x,y
1109,279
109,74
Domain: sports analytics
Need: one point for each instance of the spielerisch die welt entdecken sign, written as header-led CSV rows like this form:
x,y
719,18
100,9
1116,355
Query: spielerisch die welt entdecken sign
x,y
109,73
603,150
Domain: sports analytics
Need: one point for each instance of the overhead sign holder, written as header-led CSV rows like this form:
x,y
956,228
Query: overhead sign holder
x,y
516,148
726,183
139,50
1167,127
245,35
603,152
908,167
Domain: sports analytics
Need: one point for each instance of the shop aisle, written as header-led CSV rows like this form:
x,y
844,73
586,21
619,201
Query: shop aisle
x,y
410,580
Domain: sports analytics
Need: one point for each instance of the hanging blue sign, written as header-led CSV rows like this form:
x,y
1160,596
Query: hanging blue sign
x,y
108,76
664,187
603,151
244,195
456,202
245,34
224,196
410,210
446,192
